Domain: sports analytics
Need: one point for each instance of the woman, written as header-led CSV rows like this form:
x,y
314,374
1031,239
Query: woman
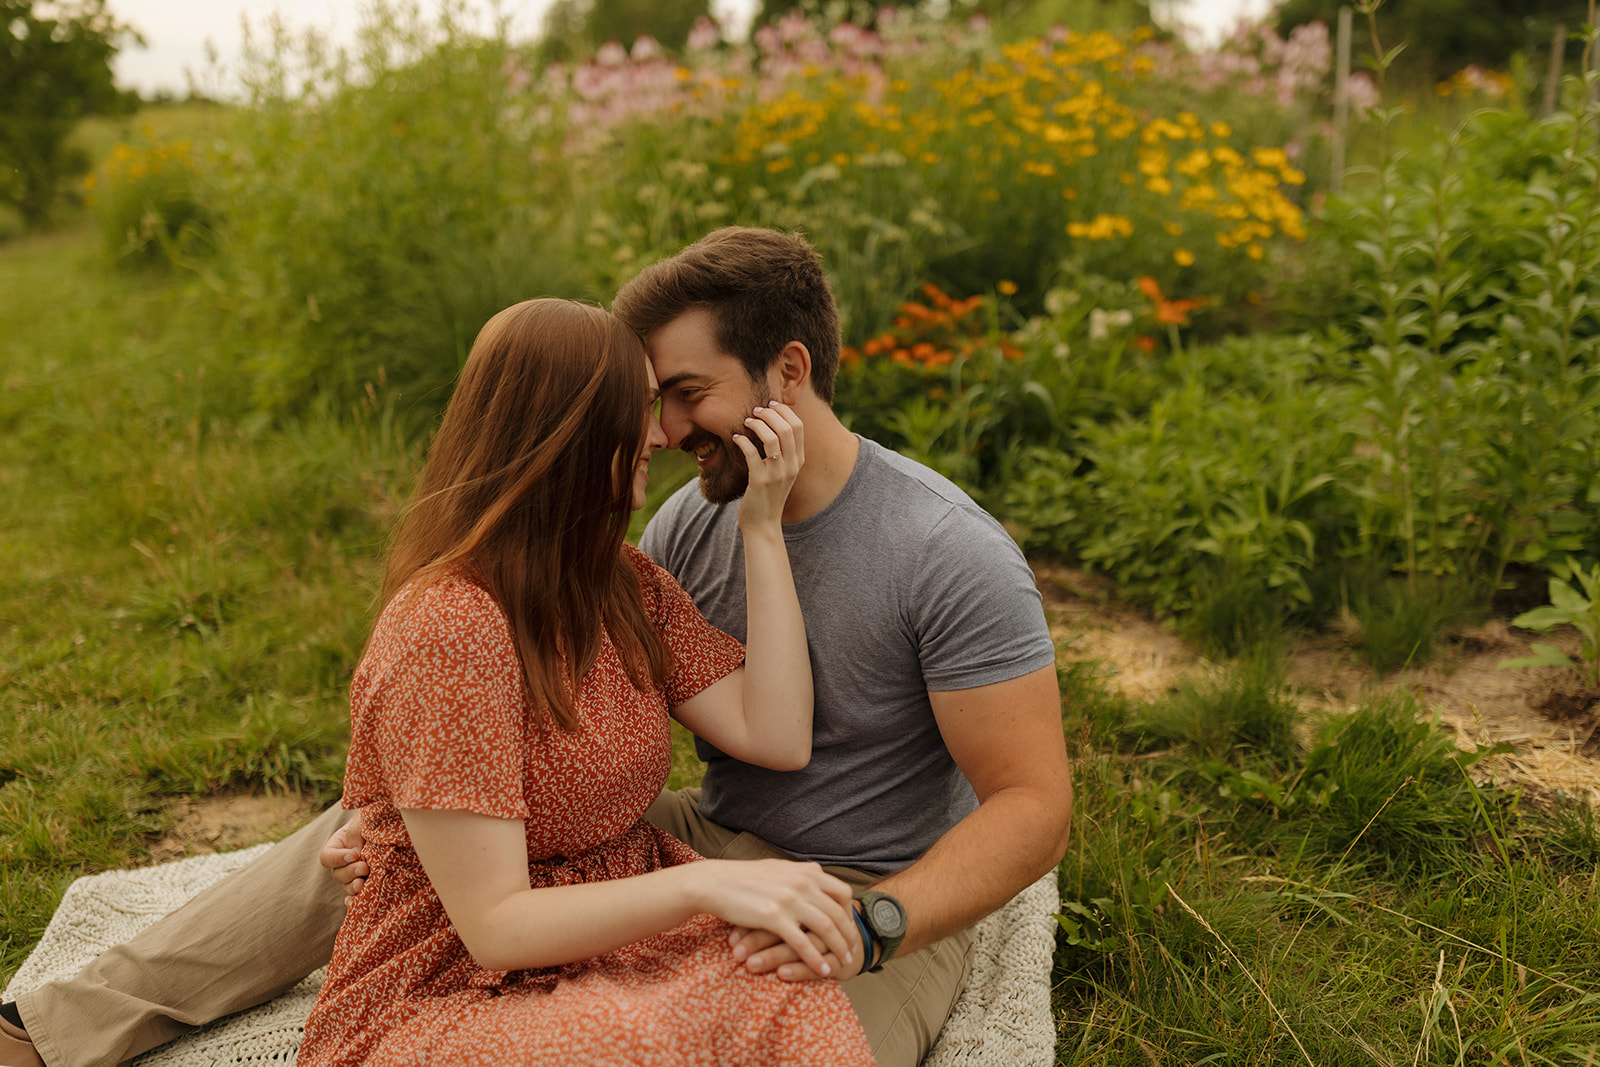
x,y
509,729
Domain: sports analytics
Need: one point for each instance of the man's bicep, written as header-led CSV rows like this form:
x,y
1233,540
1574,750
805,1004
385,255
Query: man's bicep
x,y
1008,734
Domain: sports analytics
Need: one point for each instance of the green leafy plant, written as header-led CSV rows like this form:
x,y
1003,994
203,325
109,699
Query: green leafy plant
x,y
1568,607
146,203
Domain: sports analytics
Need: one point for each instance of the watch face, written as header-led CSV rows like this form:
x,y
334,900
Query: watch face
x,y
887,917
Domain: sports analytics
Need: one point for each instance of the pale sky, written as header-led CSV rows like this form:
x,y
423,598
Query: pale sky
x,y
176,31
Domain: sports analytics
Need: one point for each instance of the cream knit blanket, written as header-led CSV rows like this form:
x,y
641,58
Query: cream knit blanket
x,y
1001,1020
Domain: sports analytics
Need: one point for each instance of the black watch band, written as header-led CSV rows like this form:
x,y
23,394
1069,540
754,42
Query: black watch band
x,y
885,920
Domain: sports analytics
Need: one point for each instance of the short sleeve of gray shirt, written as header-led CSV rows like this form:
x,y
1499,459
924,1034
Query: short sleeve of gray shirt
x,y
906,586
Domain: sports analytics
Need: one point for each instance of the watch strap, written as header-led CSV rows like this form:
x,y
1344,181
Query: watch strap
x,y
869,946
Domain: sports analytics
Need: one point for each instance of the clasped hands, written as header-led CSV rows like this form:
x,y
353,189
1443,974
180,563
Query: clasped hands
x,y
775,893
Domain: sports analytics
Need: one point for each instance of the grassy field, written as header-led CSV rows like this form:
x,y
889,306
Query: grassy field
x,y
183,597
165,627
188,558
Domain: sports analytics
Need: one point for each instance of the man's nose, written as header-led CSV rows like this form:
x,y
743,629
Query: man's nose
x,y
674,423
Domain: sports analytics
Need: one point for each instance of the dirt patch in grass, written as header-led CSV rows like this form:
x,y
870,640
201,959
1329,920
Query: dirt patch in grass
x,y
1551,723
228,821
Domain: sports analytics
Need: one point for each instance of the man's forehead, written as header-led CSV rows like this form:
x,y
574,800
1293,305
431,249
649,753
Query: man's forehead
x,y
686,349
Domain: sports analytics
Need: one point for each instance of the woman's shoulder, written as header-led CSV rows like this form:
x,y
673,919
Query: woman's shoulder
x,y
641,563
452,602
653,580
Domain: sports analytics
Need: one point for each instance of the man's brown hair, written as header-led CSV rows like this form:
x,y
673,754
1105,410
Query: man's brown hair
x,y
763,289
527,490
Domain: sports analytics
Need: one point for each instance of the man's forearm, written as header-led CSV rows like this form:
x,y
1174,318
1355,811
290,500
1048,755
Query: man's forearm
x,y
983,861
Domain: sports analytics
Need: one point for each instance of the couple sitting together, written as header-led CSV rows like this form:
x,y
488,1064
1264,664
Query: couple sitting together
x,y
859,649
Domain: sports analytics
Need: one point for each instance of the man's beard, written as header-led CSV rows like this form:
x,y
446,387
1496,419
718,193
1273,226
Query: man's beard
x,y
729,475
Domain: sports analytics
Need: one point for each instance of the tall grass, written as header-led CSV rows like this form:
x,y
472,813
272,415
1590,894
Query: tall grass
x,y
1354,900
181,590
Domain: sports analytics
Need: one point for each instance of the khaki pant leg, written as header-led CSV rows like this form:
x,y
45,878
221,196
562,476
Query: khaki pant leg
x,y
678,813
903,1007
238,944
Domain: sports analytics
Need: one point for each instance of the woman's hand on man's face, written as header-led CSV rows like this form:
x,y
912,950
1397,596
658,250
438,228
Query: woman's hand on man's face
x,y
782,439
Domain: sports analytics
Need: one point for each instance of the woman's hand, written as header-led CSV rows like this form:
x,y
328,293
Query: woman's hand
x,y
782,438
761,952
342,857
798,904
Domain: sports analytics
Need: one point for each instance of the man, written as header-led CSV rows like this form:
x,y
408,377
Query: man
x,y
933,666
939,775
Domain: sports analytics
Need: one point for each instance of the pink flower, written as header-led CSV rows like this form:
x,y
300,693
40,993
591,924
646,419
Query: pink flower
x,y
704,35
793,26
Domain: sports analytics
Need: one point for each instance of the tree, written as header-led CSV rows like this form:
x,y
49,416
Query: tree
x,y
55,68
1012,18
573,28
1442,36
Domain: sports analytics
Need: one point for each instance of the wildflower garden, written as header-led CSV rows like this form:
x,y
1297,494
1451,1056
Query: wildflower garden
x,y
1105,282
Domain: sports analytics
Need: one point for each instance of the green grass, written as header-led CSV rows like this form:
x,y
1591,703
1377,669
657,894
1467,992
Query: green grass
x,y
181,595
1357,903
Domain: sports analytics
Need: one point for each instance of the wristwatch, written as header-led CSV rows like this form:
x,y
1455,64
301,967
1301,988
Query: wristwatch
x,y
885,920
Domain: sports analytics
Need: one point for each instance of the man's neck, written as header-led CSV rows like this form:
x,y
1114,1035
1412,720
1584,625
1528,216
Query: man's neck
x,y
831,452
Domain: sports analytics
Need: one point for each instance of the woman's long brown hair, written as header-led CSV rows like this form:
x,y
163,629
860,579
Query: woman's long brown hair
x,y
527,489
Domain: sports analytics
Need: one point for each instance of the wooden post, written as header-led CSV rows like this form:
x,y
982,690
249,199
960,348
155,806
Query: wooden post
x,y
1341,103
1588,62
1552,79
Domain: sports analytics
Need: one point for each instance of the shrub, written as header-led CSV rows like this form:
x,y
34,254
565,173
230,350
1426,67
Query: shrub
x,y
146,203
375,211
1207,490
1465,277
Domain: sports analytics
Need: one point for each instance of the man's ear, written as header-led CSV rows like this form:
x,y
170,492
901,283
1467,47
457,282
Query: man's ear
x,y
793,370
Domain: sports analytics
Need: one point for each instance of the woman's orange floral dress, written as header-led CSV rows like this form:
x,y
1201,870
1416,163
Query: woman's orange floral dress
x,y
439,720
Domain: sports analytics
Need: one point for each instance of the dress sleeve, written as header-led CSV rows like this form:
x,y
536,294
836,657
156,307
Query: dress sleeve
x,y
703,654
440,717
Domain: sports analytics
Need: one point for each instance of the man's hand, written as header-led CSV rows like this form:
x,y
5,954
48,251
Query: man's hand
x,y
763,951
342,856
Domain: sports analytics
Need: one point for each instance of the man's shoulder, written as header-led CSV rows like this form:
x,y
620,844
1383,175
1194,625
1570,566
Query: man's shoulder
x,y
925,500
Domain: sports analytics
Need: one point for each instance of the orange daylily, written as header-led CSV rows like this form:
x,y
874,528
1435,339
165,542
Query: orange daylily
x,y
1171,312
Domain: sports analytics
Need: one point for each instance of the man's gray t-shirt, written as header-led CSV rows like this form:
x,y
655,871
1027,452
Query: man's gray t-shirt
x,y
906,586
